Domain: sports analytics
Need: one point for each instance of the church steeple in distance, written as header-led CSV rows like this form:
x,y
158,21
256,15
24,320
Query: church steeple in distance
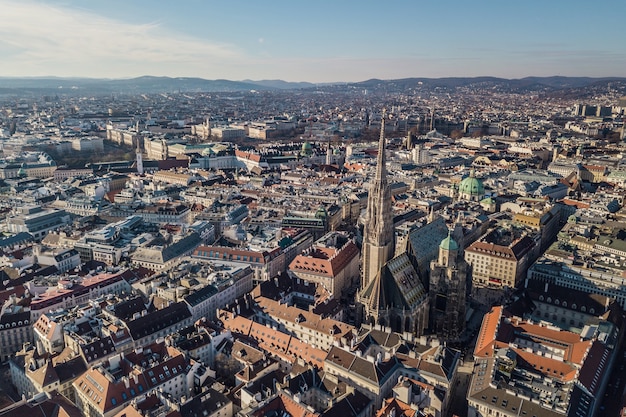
x,y
378,239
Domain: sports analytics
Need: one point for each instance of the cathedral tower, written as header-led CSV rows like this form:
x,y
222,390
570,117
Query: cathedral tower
x,y
447,290
378,239
392,294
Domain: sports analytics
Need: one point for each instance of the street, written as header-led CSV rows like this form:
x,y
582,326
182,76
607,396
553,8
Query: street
x,y
458,405
8,394
615,391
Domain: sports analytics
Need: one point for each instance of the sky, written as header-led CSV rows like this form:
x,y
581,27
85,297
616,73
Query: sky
x,y
315,41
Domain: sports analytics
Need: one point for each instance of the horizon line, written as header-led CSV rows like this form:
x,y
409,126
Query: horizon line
x,y
61,77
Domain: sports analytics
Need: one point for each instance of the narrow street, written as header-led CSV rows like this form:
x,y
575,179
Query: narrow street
x,y
6,387
458,406
611,405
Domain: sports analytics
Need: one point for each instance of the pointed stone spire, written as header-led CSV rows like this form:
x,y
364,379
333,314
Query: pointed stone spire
x,y
379,229
329,154
378,242
431,214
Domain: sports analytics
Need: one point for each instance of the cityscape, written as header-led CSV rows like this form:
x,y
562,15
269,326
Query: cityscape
x,y
369,248
340,209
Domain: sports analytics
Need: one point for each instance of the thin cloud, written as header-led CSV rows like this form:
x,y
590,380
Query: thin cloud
x,y
45,40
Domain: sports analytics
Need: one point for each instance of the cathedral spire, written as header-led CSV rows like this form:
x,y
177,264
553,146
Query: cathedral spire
x,y
381,160
391,291
378,242
379,228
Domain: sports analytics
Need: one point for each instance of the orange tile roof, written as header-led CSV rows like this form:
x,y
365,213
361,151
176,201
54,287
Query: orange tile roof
x,y
488,330
549,367
304,318
307,352
105,394
325,261
237,324
393,407
491,248
284,403
498,330
45,326
274,341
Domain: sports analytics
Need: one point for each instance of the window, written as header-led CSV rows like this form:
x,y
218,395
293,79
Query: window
x,y
140,388
113,401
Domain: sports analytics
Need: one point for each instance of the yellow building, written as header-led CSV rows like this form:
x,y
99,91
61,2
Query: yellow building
x,y
499,266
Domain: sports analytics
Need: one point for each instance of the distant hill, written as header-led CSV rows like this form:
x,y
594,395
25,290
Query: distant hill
x,y
149,84
280,84
527,84
145,84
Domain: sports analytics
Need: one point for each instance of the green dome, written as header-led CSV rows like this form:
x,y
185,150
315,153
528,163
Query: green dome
x,y
449,244
307,148
321,213
472,187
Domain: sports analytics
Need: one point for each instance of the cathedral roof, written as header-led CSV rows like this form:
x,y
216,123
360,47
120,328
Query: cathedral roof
x,y
397,286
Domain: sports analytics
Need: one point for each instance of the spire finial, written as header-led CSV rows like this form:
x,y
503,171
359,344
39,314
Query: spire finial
x,y
381,160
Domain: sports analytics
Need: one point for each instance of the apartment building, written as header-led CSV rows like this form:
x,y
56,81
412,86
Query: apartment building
x,y
500,265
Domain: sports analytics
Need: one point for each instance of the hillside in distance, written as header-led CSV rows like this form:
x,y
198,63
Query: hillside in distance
x,y
139,85
556,85
150,85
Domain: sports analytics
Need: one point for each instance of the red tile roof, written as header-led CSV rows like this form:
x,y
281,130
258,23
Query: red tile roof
x,y
565,351
325,261
488,330
284,403
274,341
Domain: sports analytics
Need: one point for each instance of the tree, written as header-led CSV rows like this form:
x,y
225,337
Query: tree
x,y
457,134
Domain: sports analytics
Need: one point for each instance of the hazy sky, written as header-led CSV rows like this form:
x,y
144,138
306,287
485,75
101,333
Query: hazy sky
x,y
317,41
